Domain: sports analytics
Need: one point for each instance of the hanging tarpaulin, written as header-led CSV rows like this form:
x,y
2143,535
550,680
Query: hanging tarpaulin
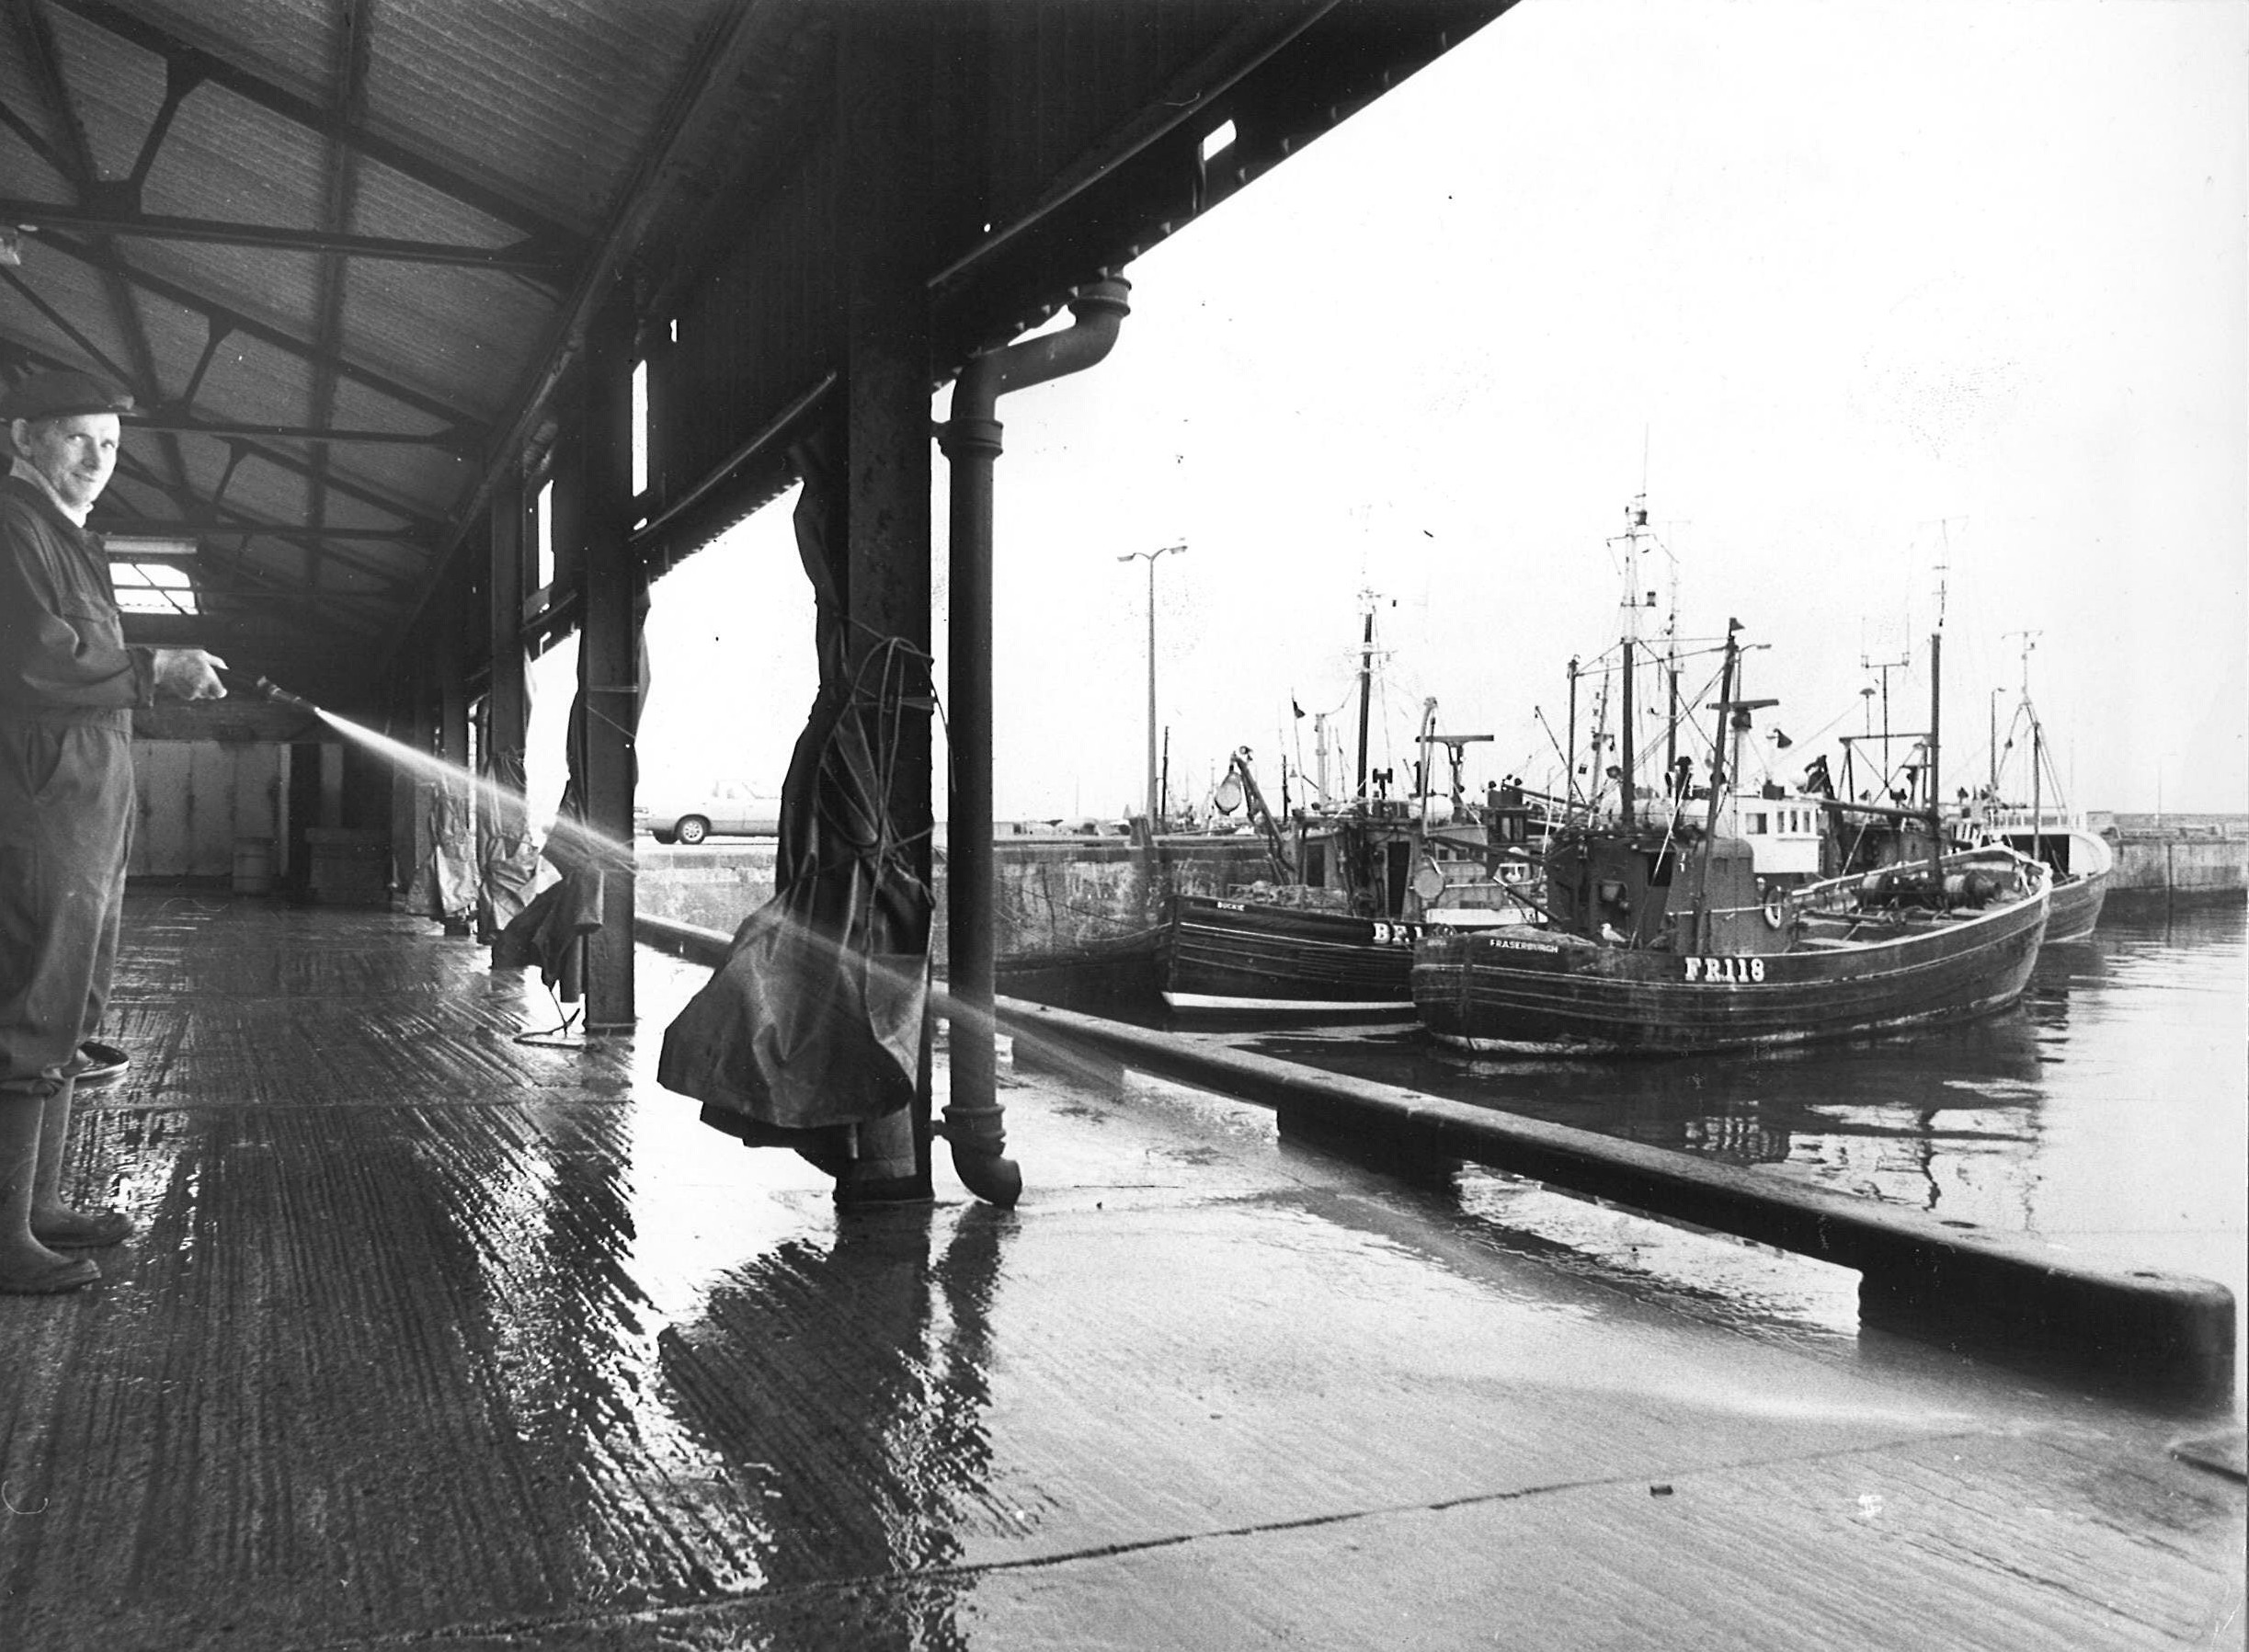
x,y
548,931
442,887
815,1019
507,860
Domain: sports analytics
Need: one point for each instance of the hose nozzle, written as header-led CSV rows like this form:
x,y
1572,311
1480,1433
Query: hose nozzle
x,y
281,696
266,689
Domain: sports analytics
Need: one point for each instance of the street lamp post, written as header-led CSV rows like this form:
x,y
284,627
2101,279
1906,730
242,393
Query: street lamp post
x,y
1149,557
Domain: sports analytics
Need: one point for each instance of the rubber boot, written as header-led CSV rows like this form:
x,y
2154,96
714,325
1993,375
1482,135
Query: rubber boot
x,y
27,1266
52,1222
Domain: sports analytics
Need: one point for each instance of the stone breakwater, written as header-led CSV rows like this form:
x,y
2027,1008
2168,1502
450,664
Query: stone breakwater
x,y
1056,897
2177,854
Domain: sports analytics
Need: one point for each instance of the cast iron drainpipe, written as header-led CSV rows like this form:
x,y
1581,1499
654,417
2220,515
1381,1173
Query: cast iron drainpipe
x,y
970,438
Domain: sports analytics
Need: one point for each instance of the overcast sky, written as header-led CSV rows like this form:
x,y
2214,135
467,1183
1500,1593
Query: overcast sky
x,y
1873,298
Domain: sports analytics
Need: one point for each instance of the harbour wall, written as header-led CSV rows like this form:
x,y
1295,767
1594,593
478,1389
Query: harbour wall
x,y
1054,897
1061,897
2176,854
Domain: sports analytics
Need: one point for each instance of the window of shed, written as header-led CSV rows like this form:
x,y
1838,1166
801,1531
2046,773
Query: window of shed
x,y
545,536
640,429
153,587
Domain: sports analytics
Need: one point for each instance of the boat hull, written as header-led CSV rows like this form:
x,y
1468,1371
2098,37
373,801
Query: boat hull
x,y
2081,875
1247,956
2077,908
1534,992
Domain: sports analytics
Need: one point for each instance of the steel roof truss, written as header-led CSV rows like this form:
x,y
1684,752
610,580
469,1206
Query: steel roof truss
x,y
432,172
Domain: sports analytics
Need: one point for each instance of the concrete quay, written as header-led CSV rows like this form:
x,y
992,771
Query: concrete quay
x,y
2195,856
436,1332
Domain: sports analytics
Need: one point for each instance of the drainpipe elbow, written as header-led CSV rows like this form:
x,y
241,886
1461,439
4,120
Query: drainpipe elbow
x,y
973,429
1099,310
991,1177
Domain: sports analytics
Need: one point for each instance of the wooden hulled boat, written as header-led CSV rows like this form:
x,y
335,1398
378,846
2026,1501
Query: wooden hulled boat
x,y
1661,938
1250,955
1334,936
2079,858
1332,932
1841,958
2044,828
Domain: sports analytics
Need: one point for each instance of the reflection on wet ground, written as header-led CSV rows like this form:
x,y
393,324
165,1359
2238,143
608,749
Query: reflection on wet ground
x,y
428,1334
2104,1111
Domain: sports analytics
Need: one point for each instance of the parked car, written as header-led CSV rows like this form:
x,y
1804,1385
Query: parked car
x,y
729,809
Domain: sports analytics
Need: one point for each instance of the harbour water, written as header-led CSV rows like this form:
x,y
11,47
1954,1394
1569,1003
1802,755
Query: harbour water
x,y
2103,1114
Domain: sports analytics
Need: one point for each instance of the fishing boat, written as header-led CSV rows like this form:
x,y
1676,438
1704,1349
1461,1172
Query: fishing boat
x,y
1331,931
2080,859
1336,939
1721,969
1660,939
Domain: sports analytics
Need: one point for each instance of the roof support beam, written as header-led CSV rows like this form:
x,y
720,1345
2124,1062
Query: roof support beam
x,y
608,649
36,217
33,31
62,325
446,178
117,267
236,526
217,427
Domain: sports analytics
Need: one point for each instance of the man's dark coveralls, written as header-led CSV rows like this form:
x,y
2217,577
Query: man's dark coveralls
x,y
67,686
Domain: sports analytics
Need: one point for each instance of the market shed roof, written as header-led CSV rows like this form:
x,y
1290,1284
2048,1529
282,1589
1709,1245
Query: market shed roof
x,y
343,252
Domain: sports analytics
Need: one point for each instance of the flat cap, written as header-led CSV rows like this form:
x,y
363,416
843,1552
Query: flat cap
x,y
60,394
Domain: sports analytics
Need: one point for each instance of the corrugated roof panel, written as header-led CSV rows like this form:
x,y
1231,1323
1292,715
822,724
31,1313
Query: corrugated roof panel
x,y
292,43
562,94
259,489
346,510
23,174
359,408
114,90
385,202
275,287
226,158
250,381
21,170
461,332
72,289
176,339
129,499
422,474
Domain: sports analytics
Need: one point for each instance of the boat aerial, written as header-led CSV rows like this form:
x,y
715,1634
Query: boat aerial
x,y
1658,936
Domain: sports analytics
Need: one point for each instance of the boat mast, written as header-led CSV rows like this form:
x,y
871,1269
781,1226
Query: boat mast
x,y
1624,783
1366,678
1569,762
1719,779
1636,520
1936,799
2037,755
1671,715
1424,779
2038,802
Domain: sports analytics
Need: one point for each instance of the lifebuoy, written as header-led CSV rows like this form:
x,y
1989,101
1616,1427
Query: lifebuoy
x,y
1776,910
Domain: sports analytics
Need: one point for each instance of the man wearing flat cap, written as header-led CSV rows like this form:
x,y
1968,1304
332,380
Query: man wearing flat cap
x,y
68,684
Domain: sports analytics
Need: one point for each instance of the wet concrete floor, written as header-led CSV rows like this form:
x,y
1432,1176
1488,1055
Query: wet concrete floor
x,y
430,1337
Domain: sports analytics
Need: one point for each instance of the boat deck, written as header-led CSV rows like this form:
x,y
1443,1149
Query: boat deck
x,y
433,1336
